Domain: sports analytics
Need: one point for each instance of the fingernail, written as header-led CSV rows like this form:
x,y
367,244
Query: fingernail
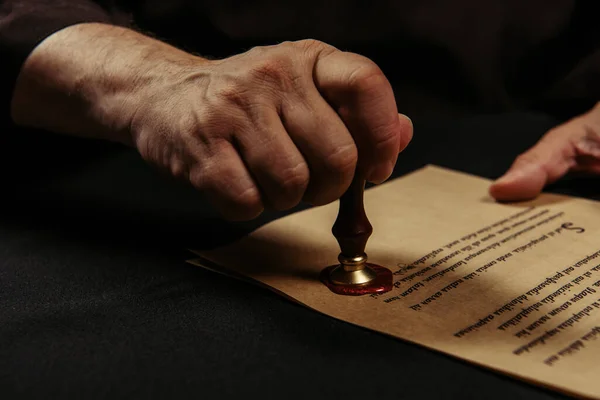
x,y
408,131
589,144
406,117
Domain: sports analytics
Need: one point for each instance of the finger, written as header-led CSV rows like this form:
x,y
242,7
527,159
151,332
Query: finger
x,y
550,159
222,176
324,141
363,97
274,161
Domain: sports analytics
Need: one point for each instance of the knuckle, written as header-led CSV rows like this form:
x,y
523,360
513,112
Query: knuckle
x,y
207,172
367,77
342,161
187,128
276,71
200,179
258,49
292,183
179,169
312,45
313,48
235,201
247,203
233,93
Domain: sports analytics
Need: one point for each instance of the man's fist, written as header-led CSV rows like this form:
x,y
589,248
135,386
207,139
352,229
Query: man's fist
x,y
572,146
272,126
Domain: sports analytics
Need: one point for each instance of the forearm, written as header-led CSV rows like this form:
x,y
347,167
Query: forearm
x,y
87,80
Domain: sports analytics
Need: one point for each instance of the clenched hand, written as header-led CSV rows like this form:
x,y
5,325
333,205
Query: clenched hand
x,y
263,129
273,126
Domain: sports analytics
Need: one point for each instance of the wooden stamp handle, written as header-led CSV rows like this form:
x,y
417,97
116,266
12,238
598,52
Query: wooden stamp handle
x,y
352,228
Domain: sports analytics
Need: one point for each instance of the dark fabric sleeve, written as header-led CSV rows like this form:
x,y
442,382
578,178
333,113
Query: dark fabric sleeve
x,y
26,23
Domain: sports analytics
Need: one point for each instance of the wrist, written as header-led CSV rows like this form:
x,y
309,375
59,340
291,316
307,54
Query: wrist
x,y
89,79
161,89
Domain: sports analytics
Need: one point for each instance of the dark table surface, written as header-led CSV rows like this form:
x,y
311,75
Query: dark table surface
x,y
96,300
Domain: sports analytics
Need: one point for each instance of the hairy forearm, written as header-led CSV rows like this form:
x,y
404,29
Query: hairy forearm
x,y
88,79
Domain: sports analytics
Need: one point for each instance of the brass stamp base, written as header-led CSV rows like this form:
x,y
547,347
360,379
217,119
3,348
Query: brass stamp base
x,y
341,276
370,279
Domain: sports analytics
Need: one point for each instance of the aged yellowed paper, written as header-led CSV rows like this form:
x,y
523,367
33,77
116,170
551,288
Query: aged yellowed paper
x,y
513,287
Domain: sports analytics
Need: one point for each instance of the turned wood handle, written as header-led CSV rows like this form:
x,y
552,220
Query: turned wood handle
x,y
352,227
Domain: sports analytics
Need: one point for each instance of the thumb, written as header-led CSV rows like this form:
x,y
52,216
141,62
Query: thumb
x,y
357,89
550,159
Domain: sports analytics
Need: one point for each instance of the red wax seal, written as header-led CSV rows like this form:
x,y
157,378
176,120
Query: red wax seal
x,y
381,284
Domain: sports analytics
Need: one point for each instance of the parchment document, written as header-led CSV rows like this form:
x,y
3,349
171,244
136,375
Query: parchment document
x,y
512,287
